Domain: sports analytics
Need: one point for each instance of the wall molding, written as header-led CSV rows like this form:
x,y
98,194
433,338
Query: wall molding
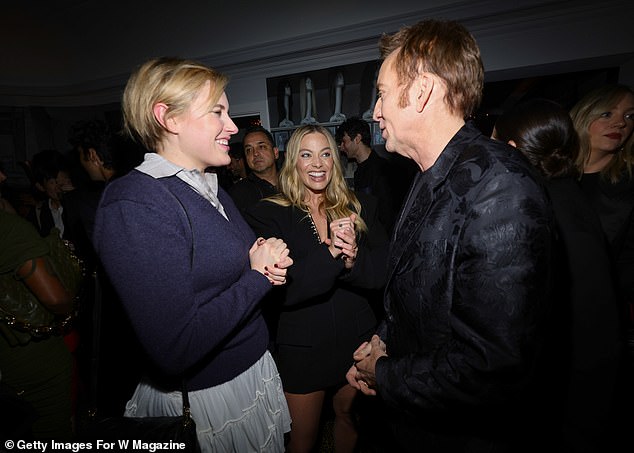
x,y
488,20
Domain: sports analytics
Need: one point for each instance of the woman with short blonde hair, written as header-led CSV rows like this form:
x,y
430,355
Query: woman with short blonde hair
x,y
170,81
188,269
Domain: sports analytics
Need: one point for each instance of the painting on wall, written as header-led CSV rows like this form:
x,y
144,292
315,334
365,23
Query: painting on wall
x,y
281,138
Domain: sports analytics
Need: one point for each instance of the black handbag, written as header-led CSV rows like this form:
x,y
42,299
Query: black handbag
x,y
177,433
172,433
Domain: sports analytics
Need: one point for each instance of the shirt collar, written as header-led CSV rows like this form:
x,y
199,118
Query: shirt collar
x,y
205,184
157,166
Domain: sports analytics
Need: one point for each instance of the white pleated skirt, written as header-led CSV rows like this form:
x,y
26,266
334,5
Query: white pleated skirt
x,y
247,414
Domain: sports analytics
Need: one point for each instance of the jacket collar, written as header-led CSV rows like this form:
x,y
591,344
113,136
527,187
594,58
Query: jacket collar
x,y
422,190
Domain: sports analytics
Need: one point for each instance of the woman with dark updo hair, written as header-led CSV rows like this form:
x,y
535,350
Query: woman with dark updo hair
x,y
583,373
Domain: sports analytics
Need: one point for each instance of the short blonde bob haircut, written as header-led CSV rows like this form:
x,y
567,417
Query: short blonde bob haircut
x,y
588,109
339,201
172,81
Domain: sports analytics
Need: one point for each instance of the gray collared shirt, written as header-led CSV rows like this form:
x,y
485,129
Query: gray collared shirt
x,y
206,184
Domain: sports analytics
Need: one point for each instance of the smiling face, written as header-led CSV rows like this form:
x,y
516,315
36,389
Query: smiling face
x,y
315,162
204,133
608,132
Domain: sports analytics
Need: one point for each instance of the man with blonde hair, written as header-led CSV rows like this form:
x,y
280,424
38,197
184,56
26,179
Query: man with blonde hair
x,y
468,270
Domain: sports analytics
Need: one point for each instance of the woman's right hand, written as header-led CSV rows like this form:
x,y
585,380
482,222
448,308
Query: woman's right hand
x,y
271,258
343,241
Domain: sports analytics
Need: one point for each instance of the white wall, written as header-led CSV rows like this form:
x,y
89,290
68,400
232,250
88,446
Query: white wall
x,y
522,41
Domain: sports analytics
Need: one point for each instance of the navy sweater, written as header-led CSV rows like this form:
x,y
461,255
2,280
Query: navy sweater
x,y
183,274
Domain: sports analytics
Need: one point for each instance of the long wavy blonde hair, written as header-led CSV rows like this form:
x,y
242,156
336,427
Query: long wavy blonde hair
x,y
339,201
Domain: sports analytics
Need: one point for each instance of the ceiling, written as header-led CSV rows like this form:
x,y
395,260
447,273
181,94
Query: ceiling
x,y
69,42
72,48
64,60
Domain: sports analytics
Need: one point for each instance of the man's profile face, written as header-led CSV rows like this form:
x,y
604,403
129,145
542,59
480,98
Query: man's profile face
x,y
394,120
90,163
259,152
347,146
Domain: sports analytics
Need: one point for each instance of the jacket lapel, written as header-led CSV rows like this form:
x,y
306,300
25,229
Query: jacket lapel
x,y
414,210
421,197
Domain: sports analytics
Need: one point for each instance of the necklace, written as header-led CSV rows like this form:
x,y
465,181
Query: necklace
x,y
314,227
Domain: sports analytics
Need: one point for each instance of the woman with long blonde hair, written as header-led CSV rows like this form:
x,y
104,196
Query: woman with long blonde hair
x,y
339,253
604,120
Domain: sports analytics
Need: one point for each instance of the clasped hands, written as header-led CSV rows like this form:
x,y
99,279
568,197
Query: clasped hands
x,y
362,374
271,258
343,242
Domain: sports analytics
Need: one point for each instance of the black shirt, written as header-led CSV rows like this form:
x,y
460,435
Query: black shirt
x,y
372,177
250,190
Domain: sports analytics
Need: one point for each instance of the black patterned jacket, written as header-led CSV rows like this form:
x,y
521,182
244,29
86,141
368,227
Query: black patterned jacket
x,y
467,292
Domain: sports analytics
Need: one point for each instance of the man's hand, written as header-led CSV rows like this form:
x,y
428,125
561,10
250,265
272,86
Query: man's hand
x,y
362,375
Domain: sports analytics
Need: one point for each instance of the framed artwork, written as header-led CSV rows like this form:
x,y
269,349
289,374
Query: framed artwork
x,y
281,137
377,138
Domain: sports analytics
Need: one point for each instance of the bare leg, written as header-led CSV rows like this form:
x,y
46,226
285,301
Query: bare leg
x,y
305,412
345,432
